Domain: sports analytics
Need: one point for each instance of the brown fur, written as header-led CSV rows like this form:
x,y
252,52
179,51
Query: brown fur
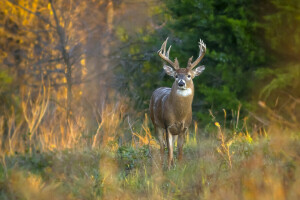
x,y
172,113
171,108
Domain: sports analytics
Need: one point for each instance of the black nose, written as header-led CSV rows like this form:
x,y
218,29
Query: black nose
x,y
181,83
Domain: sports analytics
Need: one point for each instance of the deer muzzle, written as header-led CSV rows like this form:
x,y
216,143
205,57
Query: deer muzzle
x,y
181,84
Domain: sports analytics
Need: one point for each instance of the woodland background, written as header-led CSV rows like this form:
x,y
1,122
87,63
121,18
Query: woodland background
x,y
76,79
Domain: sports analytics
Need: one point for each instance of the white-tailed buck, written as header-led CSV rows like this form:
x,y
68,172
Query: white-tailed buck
x,y
171,108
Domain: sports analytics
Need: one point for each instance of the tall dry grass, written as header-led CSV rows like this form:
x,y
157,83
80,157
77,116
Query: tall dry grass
x,y
43,127
41,157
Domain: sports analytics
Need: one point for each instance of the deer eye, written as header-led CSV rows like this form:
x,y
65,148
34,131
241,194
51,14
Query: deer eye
x,y
176,76
189,76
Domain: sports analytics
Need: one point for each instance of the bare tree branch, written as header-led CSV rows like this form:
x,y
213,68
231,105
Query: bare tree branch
x,y
31,12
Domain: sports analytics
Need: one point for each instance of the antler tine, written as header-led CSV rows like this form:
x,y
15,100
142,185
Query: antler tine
x,y
165,45
164,54
190,61
202,51
168,52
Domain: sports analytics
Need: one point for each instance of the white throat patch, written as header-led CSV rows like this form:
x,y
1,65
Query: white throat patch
x,y
184,93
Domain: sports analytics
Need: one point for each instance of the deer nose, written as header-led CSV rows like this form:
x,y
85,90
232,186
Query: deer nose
x,y
181,83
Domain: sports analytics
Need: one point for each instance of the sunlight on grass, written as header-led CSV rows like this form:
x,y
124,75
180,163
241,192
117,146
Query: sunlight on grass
x,y
105,164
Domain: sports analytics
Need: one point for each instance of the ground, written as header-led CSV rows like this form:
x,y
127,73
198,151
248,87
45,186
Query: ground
x,y
217,166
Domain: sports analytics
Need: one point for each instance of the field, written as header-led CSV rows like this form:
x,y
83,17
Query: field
x,y
76,78
121,161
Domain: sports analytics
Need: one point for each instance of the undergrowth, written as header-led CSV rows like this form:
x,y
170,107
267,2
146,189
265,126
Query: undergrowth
x,y
121,161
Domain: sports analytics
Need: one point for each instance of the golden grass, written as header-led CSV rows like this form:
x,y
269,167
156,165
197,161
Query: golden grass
x,y
120,160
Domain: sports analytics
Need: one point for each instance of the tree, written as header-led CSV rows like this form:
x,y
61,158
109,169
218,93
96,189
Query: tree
x,y
280,30
279,78
233,52
65,45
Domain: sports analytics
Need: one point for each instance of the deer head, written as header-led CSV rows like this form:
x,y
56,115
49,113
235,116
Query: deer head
x,y
183,76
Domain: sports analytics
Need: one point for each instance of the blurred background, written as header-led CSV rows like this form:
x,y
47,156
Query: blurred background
x,y
77,73
89,53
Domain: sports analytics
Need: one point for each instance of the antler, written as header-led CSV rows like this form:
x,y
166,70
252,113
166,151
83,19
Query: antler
x,y
202,48
165,55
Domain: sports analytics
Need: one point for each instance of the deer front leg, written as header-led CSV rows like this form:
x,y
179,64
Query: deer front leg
x,y
180,142
170,148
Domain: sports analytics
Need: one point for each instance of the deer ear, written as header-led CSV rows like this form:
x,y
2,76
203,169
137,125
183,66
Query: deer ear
x,y
169,70
198,70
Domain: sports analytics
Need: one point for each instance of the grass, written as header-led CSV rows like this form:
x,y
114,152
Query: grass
x,y
120,160
258,170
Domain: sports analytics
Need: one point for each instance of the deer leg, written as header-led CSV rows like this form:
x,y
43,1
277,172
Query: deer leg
x,y
175,138
160,133
180,142
180,146
170,148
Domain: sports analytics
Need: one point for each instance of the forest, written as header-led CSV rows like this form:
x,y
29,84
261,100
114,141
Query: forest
x,y
76,78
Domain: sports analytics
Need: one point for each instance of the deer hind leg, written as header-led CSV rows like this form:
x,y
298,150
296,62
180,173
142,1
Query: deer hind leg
x,y
170,148
174,139
180,142
160,134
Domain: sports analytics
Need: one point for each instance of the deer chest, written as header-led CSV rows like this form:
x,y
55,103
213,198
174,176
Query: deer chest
x,y
177,128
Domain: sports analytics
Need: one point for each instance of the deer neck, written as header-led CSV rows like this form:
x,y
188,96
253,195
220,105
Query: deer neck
x,y
180,99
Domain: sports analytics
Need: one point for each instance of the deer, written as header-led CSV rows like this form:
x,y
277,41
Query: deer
x,y
171,108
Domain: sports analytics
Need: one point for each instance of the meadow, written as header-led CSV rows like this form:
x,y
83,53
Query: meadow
x,y
121,159
76,78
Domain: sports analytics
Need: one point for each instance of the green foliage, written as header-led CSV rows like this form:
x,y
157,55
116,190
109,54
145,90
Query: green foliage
x,y
228,28
281,29
9,97
242,146
5,79
252,48
131,158
280,79
233,53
